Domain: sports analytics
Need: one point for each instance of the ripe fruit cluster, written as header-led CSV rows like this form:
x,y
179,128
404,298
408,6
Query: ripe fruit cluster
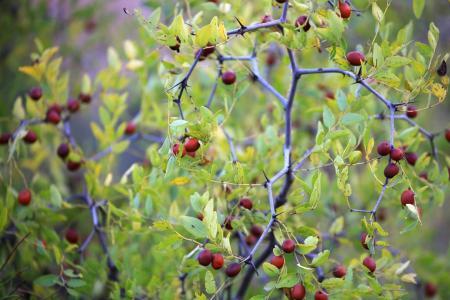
x,y
190,146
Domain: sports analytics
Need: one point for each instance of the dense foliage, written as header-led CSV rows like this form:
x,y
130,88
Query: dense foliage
x,y
269,154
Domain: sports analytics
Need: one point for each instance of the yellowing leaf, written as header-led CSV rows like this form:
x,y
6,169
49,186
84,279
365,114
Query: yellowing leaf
x,y
439,91
179,181
32,71
409,278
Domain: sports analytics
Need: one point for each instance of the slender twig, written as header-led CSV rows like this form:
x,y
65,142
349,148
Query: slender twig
x,y
10,255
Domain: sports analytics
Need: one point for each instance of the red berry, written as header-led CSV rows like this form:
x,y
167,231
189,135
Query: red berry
x,y
233,269
329,95
391,170
130,128
63,150
384,148
84,98
200,216
271,58
205,257
191,154
430,290
72,236
303,22
411,111
208,50
298,292
228,77
339,271
407,197
277,261
370,264
191,145
355,58
246,203
227,222
424,175
30,137
250,240
345,10
73,165
397,154
5,138
73,105
320,295
53,117
447,135
363,240
442,69
24,197
176,150
266,18
411,158
256,230
55,107
35,93
281,1
217,261
288,246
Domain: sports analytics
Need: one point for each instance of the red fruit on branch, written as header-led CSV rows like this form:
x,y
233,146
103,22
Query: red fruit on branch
x,y
320,295
30,137
391,170
73,165
233,270
72,236
411,111
256,230
288,246
228,221
205,257
246,203
370,264
217,261
355,58
344,9
407,197
200,216
53,116
229,77
447,135
130,128
63,150
191,145
363,240
411,158
339,271
424,175
281,1
73,105
35,93
397,154
384,148
24,197
277,261
303,22
207,51
430,290
84,98
55,107
266,19
442,70
298,292
5,138
250,240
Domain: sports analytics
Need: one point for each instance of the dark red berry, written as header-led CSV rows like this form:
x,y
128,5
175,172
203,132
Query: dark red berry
x,y
355,58
233,270
200,216
205,257
227,222
208,50
55,107
72,236
370,264
266,18
430,290
277,261
329,95
271,58
250,240
391,170
424,175
407,197
24,197
339,271
191,154
411,111
63,150
5,138
130,128
35,93
73,105
288,246
298,292
384,148
447,135
53,117
281,1
411,158
303,22
30,137
191,145
363,240
256,230
229,77
84,98
217,261
442,70
345,10
73,165
320,295
246,203
397,154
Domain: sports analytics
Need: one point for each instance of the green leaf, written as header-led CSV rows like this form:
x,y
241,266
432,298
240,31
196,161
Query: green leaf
x,y
210,283
321,258
433,36
120,147
377,12
352,118
46,280
418,6
270,269
328,117
332,283
194,226
397,61
337,226
55,196
287,281
74,283
341,100
3,218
